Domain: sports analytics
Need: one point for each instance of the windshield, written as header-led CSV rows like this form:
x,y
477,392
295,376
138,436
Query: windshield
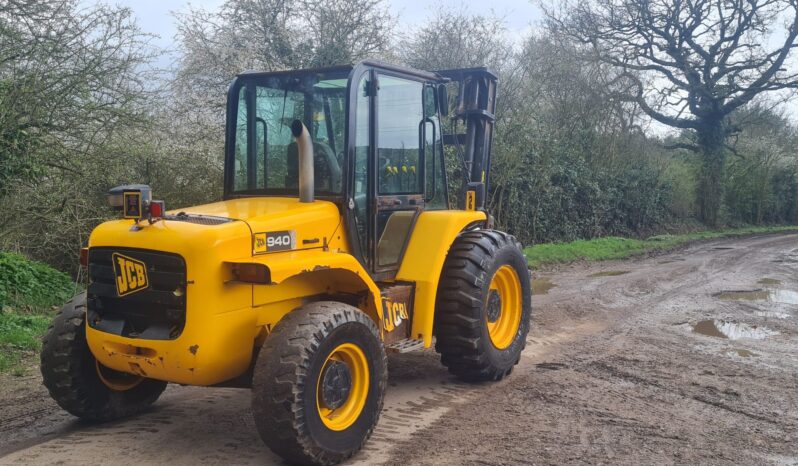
x,y
265,153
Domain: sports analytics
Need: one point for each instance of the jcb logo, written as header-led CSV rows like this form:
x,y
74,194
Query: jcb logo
x,y
131,274
260,242
393,314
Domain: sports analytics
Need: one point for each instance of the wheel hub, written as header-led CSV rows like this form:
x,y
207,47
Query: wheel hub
x,y
336,383
494,310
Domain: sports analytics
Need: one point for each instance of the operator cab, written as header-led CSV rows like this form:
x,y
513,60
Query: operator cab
x,y
377,146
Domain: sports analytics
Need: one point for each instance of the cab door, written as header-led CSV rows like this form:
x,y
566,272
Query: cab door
x,y
399,168
387,153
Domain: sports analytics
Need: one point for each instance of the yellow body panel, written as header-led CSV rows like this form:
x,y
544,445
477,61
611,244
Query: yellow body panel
x,y
219,319
317,220
222,320
225,318
429,244
300,274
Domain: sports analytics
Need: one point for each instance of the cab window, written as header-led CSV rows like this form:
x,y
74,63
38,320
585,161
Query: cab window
x,y
400,113
265,153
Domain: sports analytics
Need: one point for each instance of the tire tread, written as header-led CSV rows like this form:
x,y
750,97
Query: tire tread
x,y
279,383
459,305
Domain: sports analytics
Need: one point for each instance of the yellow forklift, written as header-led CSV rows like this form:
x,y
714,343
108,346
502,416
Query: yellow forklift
x,y
335,243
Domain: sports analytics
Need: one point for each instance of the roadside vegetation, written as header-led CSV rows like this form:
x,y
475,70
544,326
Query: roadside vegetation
x,y
594,151
30,293
613,247
578,152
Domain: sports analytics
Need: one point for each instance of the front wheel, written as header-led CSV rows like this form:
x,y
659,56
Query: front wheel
x,y
483,308
319,383
79,383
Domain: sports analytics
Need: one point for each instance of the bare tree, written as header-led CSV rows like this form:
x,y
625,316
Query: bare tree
x,y
68,78
72,79
268,35
689,63
345,31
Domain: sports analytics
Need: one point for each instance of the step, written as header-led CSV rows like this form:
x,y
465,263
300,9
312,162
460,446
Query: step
x,y
405,346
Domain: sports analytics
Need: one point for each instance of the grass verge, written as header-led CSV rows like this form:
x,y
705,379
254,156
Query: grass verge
x,y
20,336
30,292
613,247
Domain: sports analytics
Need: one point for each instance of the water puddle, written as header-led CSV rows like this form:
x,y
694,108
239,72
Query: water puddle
x,y
731,330
542,285
769,281
783,296
773,296
743,295
610,273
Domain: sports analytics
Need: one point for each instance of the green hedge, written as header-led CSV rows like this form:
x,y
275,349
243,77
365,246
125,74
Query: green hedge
x,y
31,286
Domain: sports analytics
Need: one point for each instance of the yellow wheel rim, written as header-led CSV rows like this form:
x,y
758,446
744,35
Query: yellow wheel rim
x,y
344,415
117,381
506,285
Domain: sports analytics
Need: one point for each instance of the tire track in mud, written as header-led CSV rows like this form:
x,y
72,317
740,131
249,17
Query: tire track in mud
x,y
409,409
193,425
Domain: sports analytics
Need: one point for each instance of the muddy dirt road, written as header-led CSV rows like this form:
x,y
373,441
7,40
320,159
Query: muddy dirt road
x,y
682,358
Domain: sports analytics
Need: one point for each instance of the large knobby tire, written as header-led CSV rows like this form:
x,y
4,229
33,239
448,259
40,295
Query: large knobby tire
x,y
78,383
299,399
483,307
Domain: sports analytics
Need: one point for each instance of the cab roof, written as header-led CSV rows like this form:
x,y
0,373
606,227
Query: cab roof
x,y
427,75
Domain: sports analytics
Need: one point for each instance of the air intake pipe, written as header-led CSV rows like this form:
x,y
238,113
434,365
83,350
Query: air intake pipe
x,y
305,153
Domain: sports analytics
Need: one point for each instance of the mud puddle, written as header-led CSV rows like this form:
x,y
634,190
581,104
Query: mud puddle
x,y
769,281
610,273
542,285
771,295
731,330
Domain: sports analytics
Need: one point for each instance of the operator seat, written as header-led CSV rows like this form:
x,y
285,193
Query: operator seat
x,y
327,170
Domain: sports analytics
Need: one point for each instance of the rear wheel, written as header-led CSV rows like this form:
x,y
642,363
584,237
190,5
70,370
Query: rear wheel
x,y
79,383
319,383
483,307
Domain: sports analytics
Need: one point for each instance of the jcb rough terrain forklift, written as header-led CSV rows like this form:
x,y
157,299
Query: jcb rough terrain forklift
x,y
334,244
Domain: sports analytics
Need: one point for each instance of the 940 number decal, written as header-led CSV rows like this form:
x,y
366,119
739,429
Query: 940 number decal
x,y
272,241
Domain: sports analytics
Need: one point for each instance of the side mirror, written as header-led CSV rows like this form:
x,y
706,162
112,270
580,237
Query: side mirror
x,y
443,99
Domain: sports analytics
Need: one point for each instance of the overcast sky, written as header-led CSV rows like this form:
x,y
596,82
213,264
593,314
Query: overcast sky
x,y
155,16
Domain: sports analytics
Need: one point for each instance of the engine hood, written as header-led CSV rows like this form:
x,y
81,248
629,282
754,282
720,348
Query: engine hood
x,y
194,229
271,213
